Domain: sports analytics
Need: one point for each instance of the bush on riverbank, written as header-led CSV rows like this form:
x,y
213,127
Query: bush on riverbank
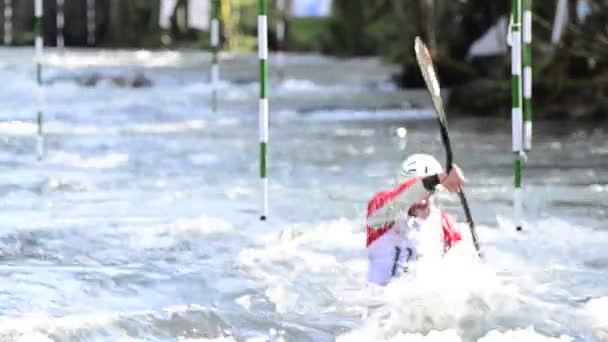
x,y
570,77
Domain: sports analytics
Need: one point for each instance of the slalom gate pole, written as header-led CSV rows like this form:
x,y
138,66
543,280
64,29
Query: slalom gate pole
x,y
60,25
281,27
527,64
263,105
91,23
516,111
215,42
8,22
39,45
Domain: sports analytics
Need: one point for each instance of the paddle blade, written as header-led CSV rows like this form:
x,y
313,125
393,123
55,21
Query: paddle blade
x,y
425,62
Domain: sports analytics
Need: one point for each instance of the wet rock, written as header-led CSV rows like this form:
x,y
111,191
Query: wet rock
x,y
139,80
133,80
90,80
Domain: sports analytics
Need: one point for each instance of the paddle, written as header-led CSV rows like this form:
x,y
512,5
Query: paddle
x,y
425,62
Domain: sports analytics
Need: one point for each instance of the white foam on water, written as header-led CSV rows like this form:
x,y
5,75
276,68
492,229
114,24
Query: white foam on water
x,y
206,88
29,128
370,115
432,336
597,311
441,295
31,337
282,295
527,335
77,184
171,127
598,188
229,91
313,267
188,228
236,192
60,91
458,296
37,326
169,235
74,59
15,127
217,339
299,86
235,94
295,86
204,159
109,161
40,324
550,244
244,301
284,259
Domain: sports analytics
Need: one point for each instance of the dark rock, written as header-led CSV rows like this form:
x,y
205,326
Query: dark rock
x,y
135,80
139,80
90,80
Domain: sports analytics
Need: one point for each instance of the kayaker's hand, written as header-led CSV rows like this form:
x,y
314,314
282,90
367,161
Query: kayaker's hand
x,y
454,181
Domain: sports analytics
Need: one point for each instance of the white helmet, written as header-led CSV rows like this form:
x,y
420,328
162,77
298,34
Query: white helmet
x,y
418,165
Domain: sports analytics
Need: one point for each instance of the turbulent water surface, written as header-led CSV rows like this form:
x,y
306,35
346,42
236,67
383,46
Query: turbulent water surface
x,y
141,221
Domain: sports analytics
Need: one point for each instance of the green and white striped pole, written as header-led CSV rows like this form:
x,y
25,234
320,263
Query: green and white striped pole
x,y
60,24
215,42
527,60
38,24
8,22
281,23
91,22
263,106
516,110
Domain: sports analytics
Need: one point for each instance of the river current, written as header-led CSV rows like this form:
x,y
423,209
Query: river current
x,y
141,222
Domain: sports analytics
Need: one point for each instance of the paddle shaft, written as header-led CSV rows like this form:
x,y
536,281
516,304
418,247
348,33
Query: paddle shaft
x,y
445,138
425,63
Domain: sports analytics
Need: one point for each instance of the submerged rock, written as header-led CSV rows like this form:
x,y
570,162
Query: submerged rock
x,y
132,80
136,80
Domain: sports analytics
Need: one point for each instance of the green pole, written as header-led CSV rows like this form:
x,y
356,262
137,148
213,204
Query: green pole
x,y
60,24
263,106
38,22
8,22
91,23
516,110
215,42
281,25
527,62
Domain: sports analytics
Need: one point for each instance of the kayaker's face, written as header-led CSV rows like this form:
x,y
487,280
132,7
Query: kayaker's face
x,y
420,209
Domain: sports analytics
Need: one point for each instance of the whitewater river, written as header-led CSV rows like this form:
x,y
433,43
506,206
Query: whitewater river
x,y
141,221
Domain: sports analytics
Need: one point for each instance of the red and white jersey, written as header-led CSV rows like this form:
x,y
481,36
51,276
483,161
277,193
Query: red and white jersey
x,y
394,239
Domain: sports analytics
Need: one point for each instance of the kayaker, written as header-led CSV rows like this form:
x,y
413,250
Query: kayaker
x,y
405,223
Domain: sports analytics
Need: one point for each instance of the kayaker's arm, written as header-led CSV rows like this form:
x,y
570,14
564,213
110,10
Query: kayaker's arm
x,y
381,208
